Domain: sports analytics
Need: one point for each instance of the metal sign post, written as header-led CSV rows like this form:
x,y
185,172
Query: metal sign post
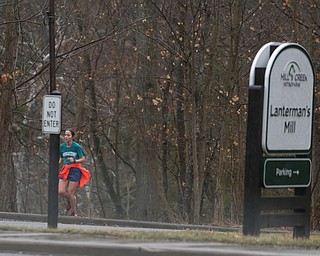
x,y
53,127
51,123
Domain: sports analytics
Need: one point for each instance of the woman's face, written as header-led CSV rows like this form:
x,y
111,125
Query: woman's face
x,y
68,136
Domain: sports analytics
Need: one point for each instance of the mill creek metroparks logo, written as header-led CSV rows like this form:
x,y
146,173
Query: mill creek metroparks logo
x,y
292,75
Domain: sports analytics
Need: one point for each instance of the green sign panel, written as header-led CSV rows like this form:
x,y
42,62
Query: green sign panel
x,y
286,172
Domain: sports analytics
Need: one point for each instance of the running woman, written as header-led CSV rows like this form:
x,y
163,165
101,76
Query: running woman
x,y
72,174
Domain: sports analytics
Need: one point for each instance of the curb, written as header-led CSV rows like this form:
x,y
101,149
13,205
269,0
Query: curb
x,y
112,222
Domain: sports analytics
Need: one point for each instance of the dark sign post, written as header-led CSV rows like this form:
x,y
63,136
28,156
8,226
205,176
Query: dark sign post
x,y
52,112
51,123
53,182
279,139
252,189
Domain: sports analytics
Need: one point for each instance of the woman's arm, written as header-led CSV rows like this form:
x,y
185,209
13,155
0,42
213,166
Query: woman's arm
x,y
78,161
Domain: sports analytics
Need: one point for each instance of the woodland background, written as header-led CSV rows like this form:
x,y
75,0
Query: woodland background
x,y
157,93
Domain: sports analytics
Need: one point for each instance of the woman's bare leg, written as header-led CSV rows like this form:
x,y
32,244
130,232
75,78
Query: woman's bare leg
x,y
71,195
62,189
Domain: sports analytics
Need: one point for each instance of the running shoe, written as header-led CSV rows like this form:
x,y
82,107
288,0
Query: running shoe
x,y
75,214
68,206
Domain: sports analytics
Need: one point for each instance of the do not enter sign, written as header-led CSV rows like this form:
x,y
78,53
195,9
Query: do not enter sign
x,y
51,115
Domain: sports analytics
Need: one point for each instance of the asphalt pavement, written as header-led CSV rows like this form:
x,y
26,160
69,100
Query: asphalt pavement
x,y
47,243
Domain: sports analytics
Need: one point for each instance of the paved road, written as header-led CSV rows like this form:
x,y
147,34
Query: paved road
x,y
53,244
64,244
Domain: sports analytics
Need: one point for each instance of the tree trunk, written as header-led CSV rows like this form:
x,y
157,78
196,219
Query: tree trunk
x,y
97,148
148,202
8,187
87,85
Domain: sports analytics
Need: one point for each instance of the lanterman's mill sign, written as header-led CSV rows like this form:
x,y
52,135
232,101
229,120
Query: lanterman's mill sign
x,y
279,140
288,99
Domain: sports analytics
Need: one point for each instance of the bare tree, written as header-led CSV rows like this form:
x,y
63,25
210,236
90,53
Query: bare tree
x,y
7,96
